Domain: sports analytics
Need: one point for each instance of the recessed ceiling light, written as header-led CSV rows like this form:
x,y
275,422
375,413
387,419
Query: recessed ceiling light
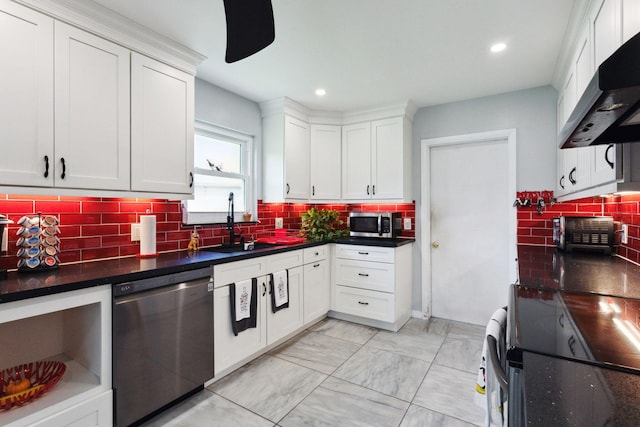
x,y
498,47
321,92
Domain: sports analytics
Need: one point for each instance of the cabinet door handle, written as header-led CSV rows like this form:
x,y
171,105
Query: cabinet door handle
x,y
46,166
316,265
264,289
561,320
288,188
571,178
572,342
367,190
606,156
374,189
363,275
190,179
313,190
63,175
363,303
363,253
562,182
317,253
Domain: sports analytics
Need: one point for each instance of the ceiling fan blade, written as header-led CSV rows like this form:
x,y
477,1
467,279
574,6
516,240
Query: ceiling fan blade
x,y
250,27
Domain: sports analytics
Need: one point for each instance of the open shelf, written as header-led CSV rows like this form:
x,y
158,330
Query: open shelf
x,y
74,328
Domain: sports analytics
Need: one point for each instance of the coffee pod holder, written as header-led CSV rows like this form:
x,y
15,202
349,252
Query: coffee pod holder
x,y
38,243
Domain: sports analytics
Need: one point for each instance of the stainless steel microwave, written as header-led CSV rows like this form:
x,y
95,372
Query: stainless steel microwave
x,y
382,225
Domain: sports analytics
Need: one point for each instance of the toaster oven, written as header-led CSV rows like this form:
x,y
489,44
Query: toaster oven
x,y
583,233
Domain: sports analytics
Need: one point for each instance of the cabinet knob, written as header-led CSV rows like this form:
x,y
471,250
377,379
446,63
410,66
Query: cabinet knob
x,y
435,245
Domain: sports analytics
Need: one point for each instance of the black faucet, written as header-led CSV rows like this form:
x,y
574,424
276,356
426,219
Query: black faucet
x,y
231,224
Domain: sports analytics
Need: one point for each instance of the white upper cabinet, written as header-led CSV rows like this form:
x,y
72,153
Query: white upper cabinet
x,y
606,29
325,161
285,156
376,162
630,19
92,111
390,159
83,114
162,117
296,159
26,104
356,161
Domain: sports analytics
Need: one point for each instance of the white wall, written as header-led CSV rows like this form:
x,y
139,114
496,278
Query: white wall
x,y
531,112
228,110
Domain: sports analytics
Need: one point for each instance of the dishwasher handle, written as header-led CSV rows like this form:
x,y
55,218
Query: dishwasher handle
x,y
143,285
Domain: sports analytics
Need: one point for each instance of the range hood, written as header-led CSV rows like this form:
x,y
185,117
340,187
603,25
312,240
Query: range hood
x,y
609,110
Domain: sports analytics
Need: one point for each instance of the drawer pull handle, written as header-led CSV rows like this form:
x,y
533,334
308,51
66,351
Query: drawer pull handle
x,y
363,303
316,265
363,275
363,253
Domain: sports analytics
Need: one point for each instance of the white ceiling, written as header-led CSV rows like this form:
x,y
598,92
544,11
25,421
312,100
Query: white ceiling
x,y
367,53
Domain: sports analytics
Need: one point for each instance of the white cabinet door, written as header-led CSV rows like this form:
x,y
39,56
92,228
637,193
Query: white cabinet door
x,y
356,161
296,159
285,321
325,152
26,103
228,348
578,168
606,27
387,151
92,111
604,164
162,120
630,19
583,63
317,293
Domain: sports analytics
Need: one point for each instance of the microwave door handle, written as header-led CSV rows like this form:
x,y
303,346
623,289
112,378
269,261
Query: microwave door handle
x,y
380,225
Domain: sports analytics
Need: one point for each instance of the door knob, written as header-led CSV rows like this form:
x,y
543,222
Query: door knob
x,y
435,244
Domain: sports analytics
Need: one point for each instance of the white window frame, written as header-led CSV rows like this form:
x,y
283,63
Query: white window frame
x,y
247,173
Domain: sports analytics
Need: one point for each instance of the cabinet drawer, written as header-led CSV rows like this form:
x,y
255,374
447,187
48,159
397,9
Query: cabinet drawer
x,y
224,274
360,302
284,260
365,275
365,253
317,253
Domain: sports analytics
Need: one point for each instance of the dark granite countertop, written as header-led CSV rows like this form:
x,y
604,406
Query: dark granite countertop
x,y
589,272
573,321
70,277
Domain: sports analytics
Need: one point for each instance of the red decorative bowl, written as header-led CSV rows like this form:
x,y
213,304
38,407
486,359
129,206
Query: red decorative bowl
x,y
42,376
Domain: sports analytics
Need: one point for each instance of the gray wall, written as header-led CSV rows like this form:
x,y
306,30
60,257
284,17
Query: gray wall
x,y
531,112
226,109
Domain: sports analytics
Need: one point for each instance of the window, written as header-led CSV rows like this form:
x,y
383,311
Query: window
x,y
222,161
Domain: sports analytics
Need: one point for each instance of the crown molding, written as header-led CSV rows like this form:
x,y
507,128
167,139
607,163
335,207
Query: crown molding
x,y
97,19
292,108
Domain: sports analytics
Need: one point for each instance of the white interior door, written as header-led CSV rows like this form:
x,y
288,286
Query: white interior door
x,y
470,226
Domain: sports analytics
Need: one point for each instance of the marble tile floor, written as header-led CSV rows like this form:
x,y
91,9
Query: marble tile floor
x,y
338,373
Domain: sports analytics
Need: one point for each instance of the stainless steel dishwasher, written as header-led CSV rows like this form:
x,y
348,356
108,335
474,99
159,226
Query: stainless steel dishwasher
x,y
162,341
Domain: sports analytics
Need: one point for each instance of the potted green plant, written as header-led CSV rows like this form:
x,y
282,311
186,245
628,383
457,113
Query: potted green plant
x,y
322,224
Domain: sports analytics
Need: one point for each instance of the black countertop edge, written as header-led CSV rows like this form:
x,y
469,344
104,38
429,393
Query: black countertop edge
x,y
70,277
370,241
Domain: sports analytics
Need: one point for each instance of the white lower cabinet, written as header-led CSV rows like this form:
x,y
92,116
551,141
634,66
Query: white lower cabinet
x,y
372,285
317,283
231,351
74,328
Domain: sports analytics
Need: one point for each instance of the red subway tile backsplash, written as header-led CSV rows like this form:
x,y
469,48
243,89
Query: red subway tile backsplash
x,y
535,229
96,228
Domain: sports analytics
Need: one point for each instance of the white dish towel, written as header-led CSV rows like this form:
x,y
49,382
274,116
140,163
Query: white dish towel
x,y
488,394
279,290
243,299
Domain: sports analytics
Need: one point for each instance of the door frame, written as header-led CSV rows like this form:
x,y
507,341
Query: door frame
x,y
425,210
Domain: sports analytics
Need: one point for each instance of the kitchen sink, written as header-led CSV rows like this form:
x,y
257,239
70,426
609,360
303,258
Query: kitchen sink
x,y
239,248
